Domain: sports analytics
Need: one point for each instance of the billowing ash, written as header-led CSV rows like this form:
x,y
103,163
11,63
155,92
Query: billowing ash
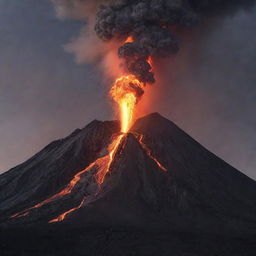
x,y
150,23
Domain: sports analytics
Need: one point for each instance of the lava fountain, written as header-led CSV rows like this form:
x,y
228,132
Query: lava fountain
x,y
126,92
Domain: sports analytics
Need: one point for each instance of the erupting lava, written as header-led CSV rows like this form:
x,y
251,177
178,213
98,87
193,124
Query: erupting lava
x,y
126,92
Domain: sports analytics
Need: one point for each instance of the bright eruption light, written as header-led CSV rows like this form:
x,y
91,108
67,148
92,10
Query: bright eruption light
x,y
126,92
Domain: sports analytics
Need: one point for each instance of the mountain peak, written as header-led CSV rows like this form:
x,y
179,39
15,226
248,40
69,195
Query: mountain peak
x,y
155,124
155,176
151,119
154,115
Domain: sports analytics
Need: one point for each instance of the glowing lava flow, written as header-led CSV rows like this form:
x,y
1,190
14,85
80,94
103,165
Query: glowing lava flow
x,y
149,152
126,92
105,162
102,164
67,190
63,215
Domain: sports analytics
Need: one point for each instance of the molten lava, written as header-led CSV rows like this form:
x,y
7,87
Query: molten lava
x,y
63,215
102,164
126,92
129,39
149,152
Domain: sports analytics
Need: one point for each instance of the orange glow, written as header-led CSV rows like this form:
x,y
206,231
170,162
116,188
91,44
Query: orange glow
x,y
126,92
127,105
150,61
67,190
149,153
102,164
63,215
129,40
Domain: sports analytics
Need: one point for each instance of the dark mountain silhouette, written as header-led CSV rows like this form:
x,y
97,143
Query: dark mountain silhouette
x,y
161,180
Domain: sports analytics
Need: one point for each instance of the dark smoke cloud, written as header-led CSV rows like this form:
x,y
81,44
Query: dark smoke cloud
x,y
152,25
148,22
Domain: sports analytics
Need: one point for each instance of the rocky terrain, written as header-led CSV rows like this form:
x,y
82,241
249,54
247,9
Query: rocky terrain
x,y
164,194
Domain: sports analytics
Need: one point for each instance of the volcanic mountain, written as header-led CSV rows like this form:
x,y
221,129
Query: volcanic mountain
x,y
158,177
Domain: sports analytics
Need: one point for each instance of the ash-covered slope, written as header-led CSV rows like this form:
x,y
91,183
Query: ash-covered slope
x,y
197,191
52,168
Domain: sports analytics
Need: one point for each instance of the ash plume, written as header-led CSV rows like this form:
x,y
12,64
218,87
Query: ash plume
x,y
152,24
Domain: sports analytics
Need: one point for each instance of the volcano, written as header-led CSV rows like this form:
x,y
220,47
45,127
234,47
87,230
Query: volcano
x,y
159,179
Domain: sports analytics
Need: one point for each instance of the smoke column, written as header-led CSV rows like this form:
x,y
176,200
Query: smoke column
x,y
129,34
153,25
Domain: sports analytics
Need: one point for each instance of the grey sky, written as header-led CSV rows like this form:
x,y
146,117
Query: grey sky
x,y
44,95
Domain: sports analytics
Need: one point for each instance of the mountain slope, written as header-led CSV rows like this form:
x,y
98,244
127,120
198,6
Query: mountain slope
x,y
159,178
52,168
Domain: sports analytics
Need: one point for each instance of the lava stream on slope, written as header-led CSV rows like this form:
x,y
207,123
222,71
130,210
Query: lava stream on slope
x,y
103,165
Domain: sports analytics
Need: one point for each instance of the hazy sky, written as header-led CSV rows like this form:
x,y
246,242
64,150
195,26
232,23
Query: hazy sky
x,y
44,95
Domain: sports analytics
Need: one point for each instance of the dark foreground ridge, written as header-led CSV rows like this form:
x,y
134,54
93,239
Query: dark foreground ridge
x,y
163,193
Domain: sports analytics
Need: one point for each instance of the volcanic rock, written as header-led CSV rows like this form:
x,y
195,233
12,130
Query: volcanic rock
x,y
197,192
